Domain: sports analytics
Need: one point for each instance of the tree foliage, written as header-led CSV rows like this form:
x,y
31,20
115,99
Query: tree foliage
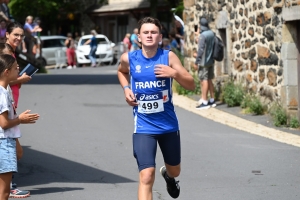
x,y
176,5
49,9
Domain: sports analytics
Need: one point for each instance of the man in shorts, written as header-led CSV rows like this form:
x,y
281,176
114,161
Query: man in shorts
x,y
146,76
205,65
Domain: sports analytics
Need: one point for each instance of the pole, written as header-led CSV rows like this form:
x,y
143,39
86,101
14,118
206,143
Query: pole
x,y
298,66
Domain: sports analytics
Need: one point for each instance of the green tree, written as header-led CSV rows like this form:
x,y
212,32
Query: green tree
x,y
52,12
176,5
48,9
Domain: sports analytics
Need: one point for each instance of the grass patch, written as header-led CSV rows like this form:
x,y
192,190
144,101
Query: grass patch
x,y
255,106
294,123
279,115
233,94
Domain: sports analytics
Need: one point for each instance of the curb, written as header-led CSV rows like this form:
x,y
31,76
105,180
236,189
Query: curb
x,y
237,122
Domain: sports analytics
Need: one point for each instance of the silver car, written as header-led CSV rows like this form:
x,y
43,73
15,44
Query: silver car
x,y
52,47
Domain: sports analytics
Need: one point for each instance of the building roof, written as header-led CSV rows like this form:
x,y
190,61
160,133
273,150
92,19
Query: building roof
x,y
124,6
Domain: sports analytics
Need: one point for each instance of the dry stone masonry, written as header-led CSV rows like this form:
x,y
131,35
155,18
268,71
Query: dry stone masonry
x,y
252,31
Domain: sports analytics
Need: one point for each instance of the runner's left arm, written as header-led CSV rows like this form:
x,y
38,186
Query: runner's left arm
x,y
177,71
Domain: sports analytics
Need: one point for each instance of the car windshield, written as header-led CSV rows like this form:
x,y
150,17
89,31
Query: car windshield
x,y
99,41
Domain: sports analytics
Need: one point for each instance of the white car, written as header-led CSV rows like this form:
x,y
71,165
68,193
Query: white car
x,y
51,45
104,53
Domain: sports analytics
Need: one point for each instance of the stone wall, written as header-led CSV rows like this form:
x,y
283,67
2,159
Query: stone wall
x,y
253,35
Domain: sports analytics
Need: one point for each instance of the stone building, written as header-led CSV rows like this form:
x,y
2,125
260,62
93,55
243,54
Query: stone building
x,y
119,17
262,40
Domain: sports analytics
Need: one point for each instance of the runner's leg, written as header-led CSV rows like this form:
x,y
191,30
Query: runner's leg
x,y
144,147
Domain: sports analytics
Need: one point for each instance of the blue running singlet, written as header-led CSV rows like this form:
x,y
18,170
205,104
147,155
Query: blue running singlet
x,y
155,113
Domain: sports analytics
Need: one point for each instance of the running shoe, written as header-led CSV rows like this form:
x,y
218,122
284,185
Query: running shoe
x,y
202,106
212,104
16,193
172,185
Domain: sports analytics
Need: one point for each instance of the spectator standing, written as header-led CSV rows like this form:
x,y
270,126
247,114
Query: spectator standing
x,y
93,44
126,42
166,44
30,27
135,45
174,44
70,44
9,124
205,65
2,30
5,12
37,22
30,41
179,32
14,36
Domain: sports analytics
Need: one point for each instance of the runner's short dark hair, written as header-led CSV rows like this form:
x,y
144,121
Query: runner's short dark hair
x,y
149,20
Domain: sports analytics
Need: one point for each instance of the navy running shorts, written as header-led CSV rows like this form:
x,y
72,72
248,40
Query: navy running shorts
x,y
145,145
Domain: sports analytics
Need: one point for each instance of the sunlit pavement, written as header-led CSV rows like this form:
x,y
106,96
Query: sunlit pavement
x,y
81,147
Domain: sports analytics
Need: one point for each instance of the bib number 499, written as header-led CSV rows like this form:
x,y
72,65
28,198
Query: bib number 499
x,y
151,106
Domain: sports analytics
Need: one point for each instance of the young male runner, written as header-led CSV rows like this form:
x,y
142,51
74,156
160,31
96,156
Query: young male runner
x,y
150,72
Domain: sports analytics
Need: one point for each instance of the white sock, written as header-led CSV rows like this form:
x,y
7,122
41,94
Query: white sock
x,y
205,102
211,100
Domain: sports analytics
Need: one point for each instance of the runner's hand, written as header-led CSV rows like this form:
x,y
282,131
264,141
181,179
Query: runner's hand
x,y
164,71
130,98
27,118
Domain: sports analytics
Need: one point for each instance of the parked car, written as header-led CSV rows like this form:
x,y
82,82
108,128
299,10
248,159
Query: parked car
x,y
104,51
50,46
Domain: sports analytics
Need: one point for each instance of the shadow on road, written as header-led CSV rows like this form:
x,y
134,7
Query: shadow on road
x,y
48,190
74,79
39,168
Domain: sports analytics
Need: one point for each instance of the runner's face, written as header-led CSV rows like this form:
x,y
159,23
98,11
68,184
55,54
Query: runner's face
x,y
149,35
15,37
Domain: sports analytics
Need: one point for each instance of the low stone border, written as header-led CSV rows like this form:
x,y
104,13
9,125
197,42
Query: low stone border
x,y
237,122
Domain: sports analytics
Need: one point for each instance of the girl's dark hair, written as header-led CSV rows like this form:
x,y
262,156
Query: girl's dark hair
x,y
6,62
13,25
149,20
3,46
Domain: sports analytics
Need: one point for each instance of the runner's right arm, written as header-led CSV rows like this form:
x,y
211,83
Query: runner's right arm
x,y
123,76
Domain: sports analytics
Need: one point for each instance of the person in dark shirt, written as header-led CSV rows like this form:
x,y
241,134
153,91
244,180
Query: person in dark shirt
x,y
93,44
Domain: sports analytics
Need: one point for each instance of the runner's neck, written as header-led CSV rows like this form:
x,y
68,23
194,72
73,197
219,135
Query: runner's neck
x,y
149,53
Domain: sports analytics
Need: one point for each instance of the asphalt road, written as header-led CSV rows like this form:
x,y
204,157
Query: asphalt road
x,y
81,148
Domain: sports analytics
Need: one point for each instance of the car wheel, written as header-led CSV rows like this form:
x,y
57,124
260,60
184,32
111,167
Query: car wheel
x,y
43,62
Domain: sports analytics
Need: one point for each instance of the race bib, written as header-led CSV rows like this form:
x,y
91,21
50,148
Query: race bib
x,y
150,103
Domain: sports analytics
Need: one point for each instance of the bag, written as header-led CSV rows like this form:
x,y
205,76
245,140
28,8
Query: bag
x,y
218,52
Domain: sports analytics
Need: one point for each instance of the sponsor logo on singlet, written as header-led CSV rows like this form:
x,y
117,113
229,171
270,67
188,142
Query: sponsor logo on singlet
x,y
149,97
138,69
